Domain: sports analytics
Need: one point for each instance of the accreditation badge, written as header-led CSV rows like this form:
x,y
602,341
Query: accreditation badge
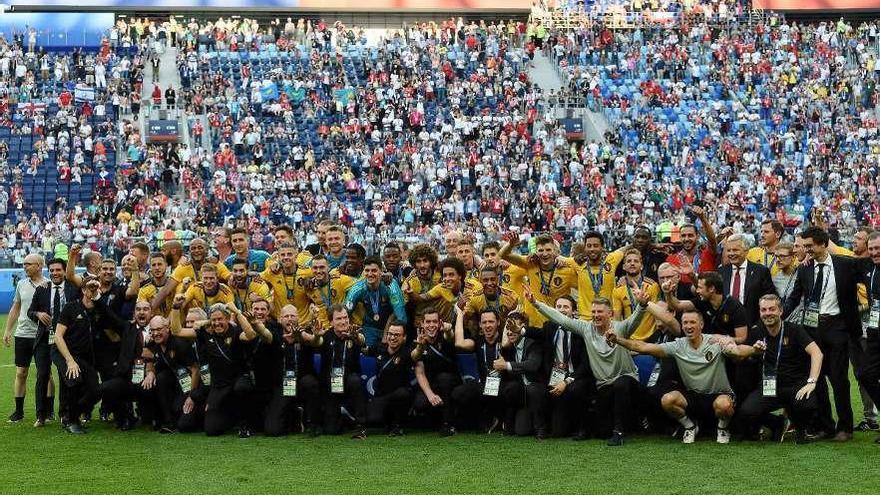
x,y
184,379
288,385
769,386
137,372
874,314
493,384
205,374
655,375
556,376
811,315
337,382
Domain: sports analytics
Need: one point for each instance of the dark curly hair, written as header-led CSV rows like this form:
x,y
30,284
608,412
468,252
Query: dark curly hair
x,y
423,251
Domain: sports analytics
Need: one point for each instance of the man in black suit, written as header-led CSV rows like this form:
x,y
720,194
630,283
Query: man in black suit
x,y
45,310
567,368
744,280
521,361
826,287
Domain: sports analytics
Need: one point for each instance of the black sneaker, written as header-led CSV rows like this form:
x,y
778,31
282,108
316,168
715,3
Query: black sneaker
x,y
868,425
616,439
75,428
105,417
50,418
244,432
360,434
447,430
396,431
540,434
16,417
490,427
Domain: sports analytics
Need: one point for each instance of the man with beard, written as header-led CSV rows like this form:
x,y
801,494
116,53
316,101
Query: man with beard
x,y
493,297
437,370
765,254
791,364
355,256
549,276
869,377
287,280
173,251
284,235
208,291
158,279
623,300
340,375
652,255
694,258
372,301
224,347
320,247
245,288
596,274
452,288
392,391
188,271
172,373
335,240
423,277
326,288
293,378
509,277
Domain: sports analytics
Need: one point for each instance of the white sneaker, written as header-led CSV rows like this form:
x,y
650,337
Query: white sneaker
x,y
723,436
690,434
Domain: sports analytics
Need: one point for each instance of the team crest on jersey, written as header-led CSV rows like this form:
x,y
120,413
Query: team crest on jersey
x,y
557,281
171,354
397,360
348,344
709,355
606,267
333,292
505,278
725,318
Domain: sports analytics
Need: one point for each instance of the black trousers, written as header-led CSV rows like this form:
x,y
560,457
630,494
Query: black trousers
x,y
390,409
869,375
279,410
167,398
43,362
227,405
353,397
442,384
524,407
614,404
833,340
63,389
119,393
755,410
569,409
82,391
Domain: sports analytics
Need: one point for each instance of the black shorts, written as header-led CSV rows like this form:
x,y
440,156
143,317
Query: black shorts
x,y
24,351
702,405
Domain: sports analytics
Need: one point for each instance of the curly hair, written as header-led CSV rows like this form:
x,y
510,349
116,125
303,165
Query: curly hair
x,y
423,251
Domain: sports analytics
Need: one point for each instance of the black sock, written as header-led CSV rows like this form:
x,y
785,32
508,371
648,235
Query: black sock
x,y
19,405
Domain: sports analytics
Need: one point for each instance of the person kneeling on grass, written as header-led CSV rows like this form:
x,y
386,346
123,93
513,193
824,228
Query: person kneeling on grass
x,y
699,357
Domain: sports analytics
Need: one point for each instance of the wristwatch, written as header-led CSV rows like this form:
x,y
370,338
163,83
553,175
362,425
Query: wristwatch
x,y
811,380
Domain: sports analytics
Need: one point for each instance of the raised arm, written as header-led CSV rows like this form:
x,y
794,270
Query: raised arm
x,y
663,315
626,327
461,342
247,330
72,261
506,253
177,327
636,345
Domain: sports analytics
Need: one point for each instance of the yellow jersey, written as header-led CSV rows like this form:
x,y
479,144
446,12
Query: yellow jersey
x,y
547,285
329,294
761,256
150,290
242,297
597,278
289,289
443,299
195,296
503,305
188,271
624,303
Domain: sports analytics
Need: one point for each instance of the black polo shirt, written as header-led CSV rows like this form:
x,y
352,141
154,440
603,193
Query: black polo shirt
x,y
338,352
267,358
81,324
177,353
393,371
225,354
794,362
440,357
723,320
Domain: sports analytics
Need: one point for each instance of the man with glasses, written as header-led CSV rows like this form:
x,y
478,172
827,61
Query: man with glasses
x,y
393,393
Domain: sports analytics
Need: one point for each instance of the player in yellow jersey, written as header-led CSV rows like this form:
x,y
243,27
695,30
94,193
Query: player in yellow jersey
x,y
596,274
283,235
326,290
623,298
454,287
765,254
549,276
423,277
288,281
245,288
493,297
207,291
158,278
189,268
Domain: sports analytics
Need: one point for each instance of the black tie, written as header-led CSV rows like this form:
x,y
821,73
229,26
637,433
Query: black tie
x,y
56,304
816,295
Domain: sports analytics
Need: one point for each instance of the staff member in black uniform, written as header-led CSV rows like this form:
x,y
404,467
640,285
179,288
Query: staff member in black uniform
x,y
870,375
192,414
75,338
294,382
264,358
437,370
225,349
568,394
827,289
485,394
524,392
45,309
340,376
172,372
790,367
392,391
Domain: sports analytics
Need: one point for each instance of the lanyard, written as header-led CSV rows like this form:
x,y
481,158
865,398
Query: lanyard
x,y
871,284
387,363
333,355
240,303
771,258
599,279
546,284
287,287
629,293
486,354
220,348
326,299
779,348
295,357
375,298
497,304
